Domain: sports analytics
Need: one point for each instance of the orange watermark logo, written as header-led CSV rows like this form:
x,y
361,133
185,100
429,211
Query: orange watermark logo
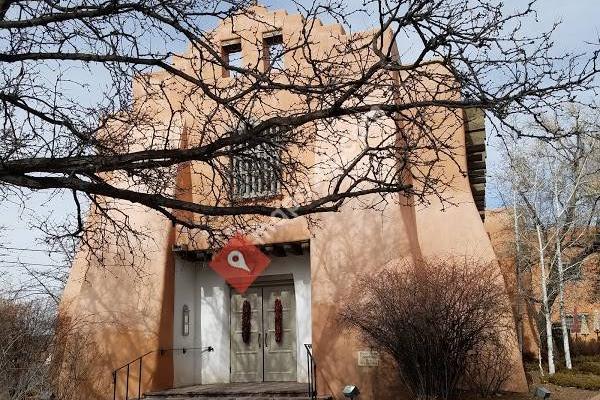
x,y
239,263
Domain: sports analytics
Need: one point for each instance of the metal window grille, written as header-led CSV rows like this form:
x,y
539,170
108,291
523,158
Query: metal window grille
x,y
256,171
569,320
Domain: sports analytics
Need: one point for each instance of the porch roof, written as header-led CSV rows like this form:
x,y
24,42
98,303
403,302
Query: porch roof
x,y
283,249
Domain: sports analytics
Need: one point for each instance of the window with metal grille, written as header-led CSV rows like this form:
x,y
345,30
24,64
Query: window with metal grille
x,y
583,318
256,171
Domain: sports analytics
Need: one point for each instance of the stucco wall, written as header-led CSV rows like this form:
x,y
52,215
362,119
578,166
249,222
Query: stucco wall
x,y
123,303
455,229
350,243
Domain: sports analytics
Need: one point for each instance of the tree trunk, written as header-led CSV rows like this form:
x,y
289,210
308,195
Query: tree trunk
x,y
540,357
561,285
519,319
546,308
563,321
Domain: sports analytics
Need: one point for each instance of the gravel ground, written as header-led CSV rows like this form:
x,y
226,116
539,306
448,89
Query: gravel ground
x,y
558,393
567,393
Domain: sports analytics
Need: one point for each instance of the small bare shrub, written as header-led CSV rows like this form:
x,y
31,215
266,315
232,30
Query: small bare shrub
x,y
41,354
26,329
71,365
430,317
585,347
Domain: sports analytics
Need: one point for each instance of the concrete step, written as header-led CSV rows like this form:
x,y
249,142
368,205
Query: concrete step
x,y
237,391
243,397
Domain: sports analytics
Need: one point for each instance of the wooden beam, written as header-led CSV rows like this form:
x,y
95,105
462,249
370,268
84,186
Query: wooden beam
x,y
279,250
296,248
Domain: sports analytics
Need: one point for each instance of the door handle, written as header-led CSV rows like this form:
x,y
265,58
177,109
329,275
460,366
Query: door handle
x,y
259,343
266,340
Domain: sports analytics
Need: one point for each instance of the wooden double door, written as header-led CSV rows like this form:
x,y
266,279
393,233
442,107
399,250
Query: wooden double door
x,y
262,358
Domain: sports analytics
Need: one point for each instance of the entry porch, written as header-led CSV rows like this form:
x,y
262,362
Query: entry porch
x,y
208,313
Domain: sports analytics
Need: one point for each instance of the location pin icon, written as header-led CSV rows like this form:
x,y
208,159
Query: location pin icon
x,y
235,259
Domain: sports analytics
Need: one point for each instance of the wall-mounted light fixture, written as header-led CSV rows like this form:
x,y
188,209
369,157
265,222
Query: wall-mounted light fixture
x,y
185,321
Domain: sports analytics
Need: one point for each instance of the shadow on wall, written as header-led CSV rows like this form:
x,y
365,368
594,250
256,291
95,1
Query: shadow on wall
x,y
116,321
343,250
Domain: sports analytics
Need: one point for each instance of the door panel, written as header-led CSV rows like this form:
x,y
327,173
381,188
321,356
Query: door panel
x,y
279,358
263,359
247,358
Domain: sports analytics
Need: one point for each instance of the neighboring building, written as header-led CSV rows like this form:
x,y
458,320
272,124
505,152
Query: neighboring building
x,y
581,290
172,300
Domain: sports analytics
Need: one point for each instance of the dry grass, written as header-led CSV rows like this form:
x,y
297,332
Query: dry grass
x,y
558,393
585,370
576,379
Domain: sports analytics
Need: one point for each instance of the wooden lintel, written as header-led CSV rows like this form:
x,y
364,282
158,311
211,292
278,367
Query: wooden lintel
x,y
296,248
271,249
279,250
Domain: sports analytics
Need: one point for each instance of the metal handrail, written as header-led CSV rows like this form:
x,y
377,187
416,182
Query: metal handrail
x,y
140,360
312,372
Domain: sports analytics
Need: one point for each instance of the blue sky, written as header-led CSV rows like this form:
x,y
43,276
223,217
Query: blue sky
x,y
580,23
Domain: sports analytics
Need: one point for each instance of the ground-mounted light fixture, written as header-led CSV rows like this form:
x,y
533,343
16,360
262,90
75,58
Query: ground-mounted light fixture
x,y
541,393
185,331
351,391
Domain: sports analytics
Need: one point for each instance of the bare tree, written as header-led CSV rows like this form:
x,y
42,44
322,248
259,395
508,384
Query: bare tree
x,y
82,82
546,311
556,193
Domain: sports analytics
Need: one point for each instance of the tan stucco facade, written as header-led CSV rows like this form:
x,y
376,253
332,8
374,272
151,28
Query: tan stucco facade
x,y
131,309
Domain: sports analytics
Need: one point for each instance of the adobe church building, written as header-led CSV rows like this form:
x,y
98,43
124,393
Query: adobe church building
x,y
184,318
